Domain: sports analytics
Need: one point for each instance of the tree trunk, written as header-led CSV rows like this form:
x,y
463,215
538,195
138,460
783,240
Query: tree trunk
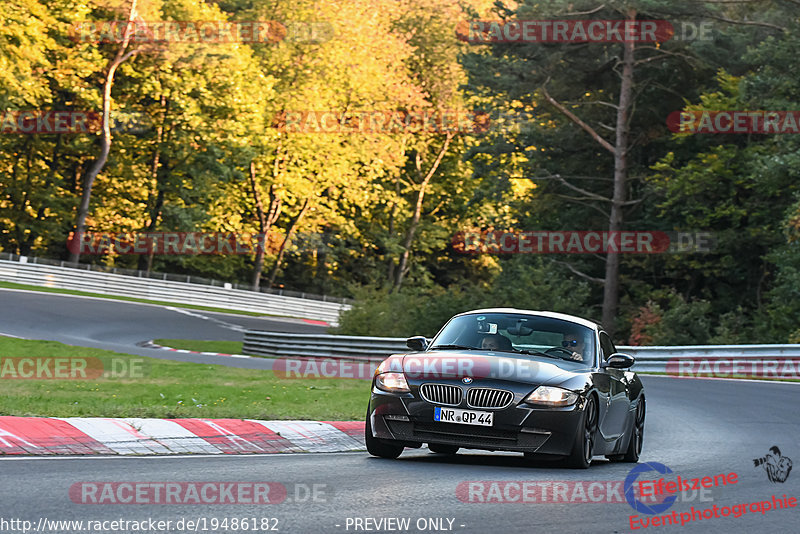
x,y
390,276
265,222
152,226
155,200
611,288
23,246
105,140
286,240
412,227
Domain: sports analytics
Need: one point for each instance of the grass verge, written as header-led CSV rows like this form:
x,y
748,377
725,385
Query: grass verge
x,y
226,347
168,389
13,285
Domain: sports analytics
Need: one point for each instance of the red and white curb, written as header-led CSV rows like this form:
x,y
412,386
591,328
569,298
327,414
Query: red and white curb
x,y
151,345
134,436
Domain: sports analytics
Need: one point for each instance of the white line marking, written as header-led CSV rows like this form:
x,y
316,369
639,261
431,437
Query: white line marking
x,y
249,456
115,298
10,335
722,378
220,322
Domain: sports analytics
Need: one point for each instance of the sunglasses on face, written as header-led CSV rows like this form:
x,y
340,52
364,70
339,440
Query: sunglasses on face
x,y
569,343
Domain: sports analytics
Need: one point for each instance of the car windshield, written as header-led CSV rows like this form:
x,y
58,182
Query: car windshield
x,y
519,333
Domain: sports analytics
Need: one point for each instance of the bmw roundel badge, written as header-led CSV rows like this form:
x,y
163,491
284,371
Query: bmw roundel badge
x,y
467,380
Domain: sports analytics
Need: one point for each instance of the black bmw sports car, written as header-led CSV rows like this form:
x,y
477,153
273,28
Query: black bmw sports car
x,y
545,384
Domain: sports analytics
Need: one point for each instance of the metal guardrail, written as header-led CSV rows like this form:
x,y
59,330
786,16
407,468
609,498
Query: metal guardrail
x,y
648,359
171,291
172,277
282,345
655,359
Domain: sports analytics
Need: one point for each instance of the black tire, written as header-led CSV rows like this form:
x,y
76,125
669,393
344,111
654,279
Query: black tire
x,y
378,447
637,435
442,449
582,449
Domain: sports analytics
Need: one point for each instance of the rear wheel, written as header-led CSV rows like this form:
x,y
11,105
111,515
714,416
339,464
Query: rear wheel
x,y
378,447
582,450
442,449
637,435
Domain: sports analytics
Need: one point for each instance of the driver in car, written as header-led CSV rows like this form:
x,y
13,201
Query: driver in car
x,y
574,342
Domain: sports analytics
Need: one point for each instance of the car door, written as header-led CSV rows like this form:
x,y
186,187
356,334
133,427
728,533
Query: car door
x,y
603,385
618,402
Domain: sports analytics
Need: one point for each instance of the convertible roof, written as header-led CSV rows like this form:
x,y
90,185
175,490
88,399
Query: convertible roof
x,y
552,315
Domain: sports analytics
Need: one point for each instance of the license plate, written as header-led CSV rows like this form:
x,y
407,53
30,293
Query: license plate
x,y
462,417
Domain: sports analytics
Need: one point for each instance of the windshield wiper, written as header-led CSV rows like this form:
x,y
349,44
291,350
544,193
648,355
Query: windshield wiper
x,y
539,353
456,347
526,351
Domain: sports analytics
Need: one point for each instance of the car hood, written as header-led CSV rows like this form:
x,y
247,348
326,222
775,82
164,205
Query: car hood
x,y
453,364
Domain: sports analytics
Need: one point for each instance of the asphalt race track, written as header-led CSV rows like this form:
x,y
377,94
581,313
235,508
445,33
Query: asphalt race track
x,y
697,428
120,325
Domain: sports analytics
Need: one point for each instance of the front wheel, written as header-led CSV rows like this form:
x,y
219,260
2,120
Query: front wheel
x,y
582,450
637,435
378,447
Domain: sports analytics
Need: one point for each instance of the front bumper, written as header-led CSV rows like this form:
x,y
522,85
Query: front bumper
x,y
519,427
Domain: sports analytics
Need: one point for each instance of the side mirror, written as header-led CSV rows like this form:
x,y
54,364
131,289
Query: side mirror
x,y
619,361
417,343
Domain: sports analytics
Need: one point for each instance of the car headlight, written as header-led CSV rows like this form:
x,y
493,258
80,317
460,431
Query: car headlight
x,y
392,382
552,396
